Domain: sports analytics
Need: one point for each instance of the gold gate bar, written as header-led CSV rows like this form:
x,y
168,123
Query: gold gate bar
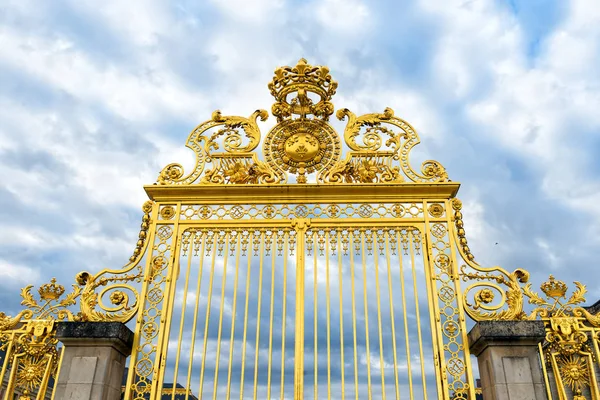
x,y
404,311
285,259
392,324
7,355
233,313
351,238
12,377
545,371
339,251
260,281
328,300
195,322
214,245
375,238
460,305
43,388
364,269
594,335
59,366
220,331
437,334
182,319
417,313
315,322
249,253
171,275
300,225
273,257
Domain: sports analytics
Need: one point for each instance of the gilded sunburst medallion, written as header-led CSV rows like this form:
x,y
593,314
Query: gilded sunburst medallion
x,y
302,146
574,371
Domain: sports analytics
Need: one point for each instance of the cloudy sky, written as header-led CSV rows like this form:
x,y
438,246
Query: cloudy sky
x,y
96,97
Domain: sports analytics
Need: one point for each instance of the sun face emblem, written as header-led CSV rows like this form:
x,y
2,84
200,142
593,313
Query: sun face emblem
x,y
302,147
574,371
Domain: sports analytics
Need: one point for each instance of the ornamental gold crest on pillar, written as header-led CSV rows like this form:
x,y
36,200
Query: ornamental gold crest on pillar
x,y
302,142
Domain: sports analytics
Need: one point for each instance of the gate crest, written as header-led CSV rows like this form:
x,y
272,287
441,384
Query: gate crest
x,y
302,142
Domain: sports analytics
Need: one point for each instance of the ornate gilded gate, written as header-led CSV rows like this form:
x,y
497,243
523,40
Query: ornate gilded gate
x,y
307,274
260,283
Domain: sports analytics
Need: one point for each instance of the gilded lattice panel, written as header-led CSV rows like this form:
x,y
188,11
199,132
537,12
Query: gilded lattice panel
x,y
453,356
150,324
191,212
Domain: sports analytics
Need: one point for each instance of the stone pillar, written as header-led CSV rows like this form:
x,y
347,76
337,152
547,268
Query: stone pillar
x,y
93,361
508,357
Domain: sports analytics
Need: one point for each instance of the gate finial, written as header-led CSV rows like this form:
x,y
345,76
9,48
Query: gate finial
x,y
302,80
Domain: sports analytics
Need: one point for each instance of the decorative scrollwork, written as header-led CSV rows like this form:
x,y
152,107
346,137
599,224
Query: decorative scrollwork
x,y
124,309
115,283
240,170
233,139
303,142
553,307
363,168
374,128
372,140
50,305
494,280
205,147
433,170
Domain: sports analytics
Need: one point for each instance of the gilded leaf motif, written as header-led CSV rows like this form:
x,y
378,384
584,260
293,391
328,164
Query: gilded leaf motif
x,y
578,295
70,299
28,300
534,298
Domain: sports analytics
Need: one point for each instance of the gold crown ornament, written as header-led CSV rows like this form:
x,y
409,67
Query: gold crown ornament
x,y
51,291
554,288
302,80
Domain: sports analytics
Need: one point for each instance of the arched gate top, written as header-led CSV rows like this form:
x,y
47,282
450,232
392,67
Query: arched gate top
x,y
303,147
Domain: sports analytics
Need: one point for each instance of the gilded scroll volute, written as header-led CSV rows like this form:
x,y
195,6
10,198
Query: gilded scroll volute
x,y
492,293
380,144
230,145
303,143
110,294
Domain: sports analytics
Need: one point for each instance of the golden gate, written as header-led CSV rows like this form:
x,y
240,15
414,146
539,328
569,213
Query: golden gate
x,y
306,274
302,274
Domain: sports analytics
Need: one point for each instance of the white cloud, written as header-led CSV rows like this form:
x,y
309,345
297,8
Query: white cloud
x,y
530,110
256,11
13,275
349,17
125,91
140,21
